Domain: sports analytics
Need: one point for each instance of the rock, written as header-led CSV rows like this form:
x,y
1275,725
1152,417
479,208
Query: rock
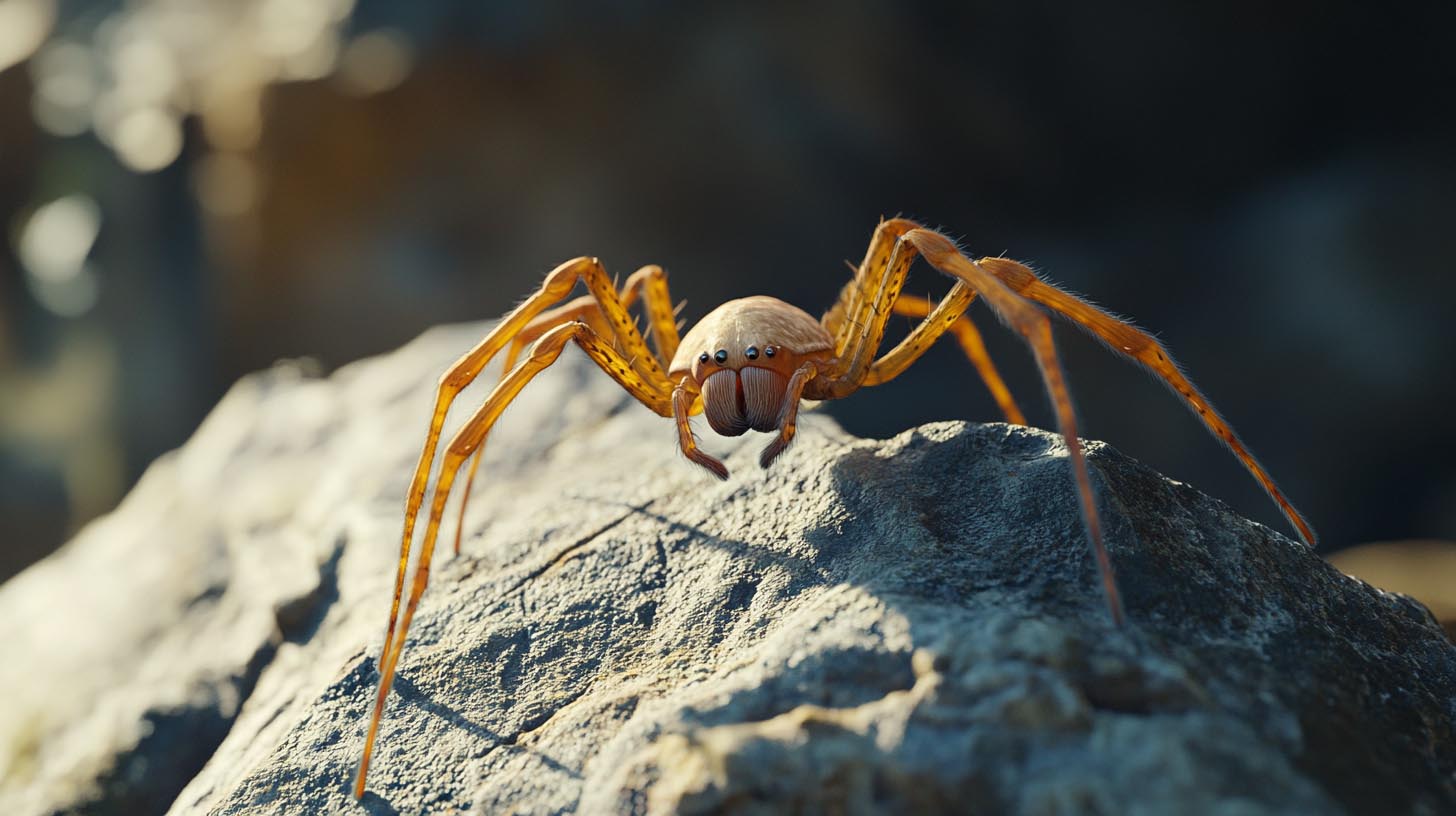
x,y
912,624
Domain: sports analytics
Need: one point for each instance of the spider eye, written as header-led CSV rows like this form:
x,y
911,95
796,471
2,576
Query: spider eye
x,y
721,356
751,353
769,351
703,358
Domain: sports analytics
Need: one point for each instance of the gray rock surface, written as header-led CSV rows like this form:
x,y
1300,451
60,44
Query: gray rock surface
x,y
870,626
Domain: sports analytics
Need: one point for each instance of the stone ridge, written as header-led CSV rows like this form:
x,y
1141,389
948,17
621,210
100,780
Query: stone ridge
x,y
911,624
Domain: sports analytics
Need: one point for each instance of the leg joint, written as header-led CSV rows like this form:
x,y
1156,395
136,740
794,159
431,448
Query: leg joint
x,y
548,345
560,280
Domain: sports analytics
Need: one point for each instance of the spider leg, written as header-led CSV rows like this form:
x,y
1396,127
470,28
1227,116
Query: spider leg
x,y
558,283
657,303
789,418
462,372
684,401
864,309
859,298
649,283
1013,292
1143,349
581,309
652,393
465,495
949,314
1027,319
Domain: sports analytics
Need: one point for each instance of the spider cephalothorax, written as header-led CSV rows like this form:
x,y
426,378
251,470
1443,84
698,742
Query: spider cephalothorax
x,y
748,363
747,352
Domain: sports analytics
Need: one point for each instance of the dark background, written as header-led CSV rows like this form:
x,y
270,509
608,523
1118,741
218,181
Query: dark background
x,y
1268,187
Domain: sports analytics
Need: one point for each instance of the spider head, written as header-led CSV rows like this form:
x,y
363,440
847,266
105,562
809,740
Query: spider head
x,y
741,356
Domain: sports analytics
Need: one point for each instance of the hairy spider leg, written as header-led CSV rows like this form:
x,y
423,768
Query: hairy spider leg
x,y
849,371
859,291
583,309
557,284
857,321
1142,348
686,402
649,282
947,315
1027,320
654,393
788,419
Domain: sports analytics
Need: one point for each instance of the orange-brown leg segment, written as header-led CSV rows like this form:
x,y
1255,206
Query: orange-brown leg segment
x,y
948,314
648,283
684,397
1035,328
559,282
652,393
584,309
866,304
788,420
657,303
557,285
867,288
1143,349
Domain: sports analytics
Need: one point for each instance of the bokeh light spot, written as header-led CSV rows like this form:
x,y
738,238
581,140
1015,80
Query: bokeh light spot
x,y
53,247
58,236
147,139
24,24
72,297
375,62
146,72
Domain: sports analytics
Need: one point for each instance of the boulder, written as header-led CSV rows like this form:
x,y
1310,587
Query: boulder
x,y
911,624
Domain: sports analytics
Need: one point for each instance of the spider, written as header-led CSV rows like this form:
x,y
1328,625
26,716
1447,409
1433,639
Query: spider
x,y
749,362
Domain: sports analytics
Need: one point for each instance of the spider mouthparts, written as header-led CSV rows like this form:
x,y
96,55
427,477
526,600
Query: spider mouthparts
x,y
762,392
735,401
722,403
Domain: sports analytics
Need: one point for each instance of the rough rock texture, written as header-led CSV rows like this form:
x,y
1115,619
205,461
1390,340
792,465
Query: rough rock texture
x,y
909,624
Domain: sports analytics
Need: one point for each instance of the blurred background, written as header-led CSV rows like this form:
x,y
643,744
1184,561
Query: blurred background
x,y
192,190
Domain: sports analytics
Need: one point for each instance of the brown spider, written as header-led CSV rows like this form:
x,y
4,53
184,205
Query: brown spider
x,y
749,362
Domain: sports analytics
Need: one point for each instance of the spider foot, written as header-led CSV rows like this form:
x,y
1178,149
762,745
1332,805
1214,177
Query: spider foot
x,y
773,450
709,464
